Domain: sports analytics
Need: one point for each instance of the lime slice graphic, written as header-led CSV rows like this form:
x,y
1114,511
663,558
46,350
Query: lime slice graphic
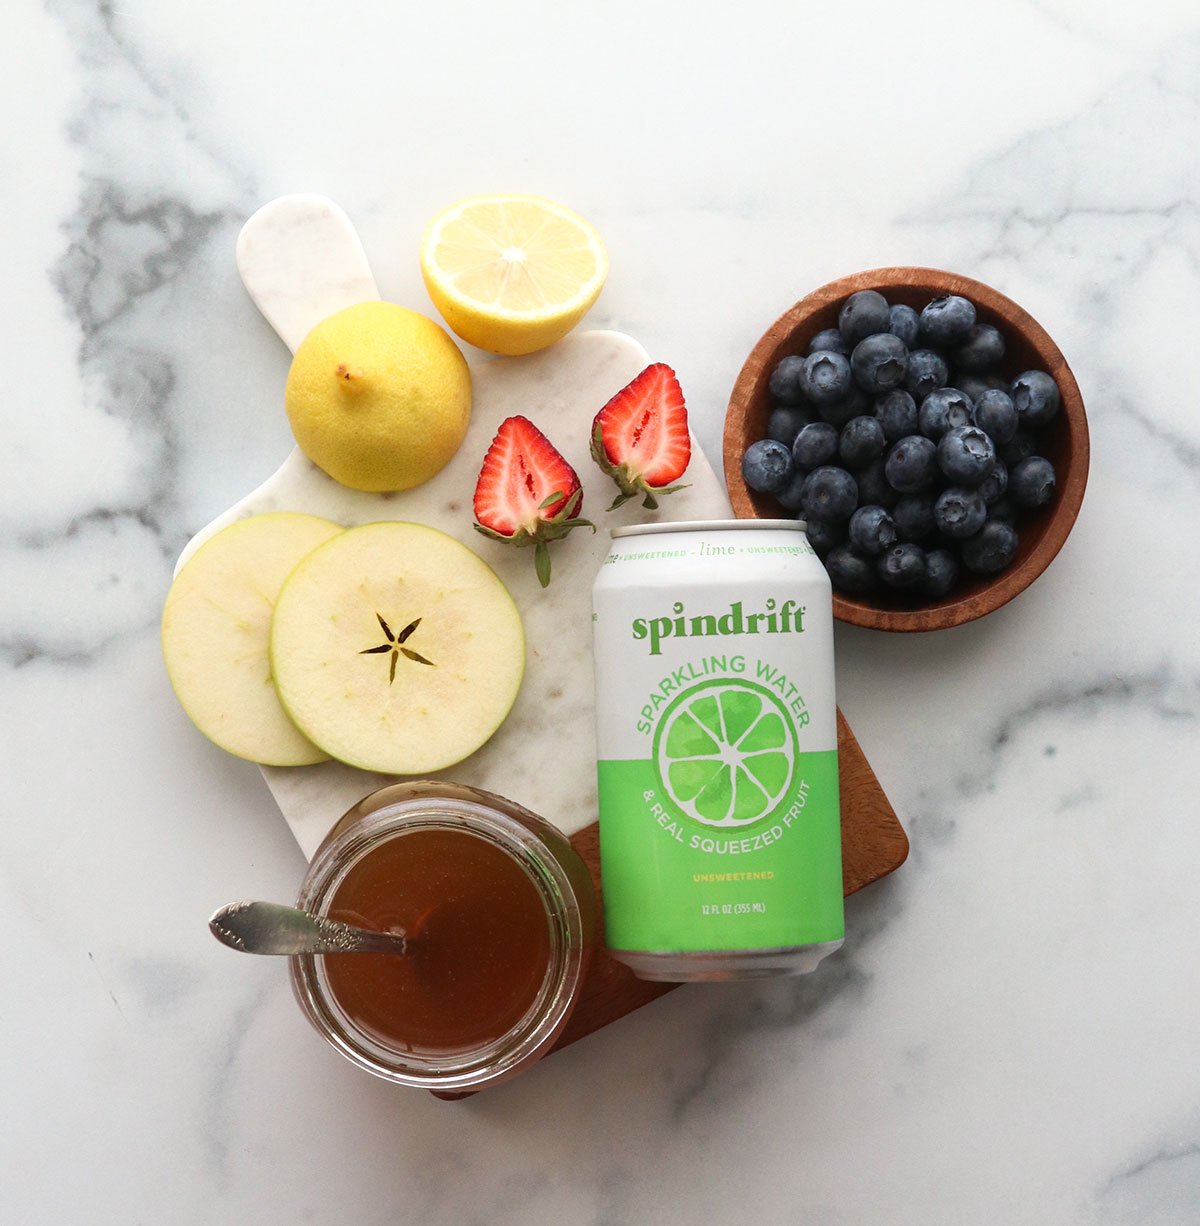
x,y
725,753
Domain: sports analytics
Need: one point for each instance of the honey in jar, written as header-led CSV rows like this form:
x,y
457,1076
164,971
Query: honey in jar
x,y
500,915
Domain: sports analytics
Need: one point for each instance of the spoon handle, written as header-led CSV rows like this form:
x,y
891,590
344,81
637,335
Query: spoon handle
x,y
271,928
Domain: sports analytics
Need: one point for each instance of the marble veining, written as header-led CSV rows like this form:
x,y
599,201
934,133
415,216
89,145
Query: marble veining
x,y
1010,1034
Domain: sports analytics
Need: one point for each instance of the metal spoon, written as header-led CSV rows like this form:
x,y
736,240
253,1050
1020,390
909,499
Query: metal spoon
x,y
272,928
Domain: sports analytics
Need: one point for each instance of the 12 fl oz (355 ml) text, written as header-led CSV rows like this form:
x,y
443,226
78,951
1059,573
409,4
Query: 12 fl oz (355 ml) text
x,y
733,908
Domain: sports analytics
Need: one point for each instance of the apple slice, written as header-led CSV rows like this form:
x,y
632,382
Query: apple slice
x,y
216,628
396,649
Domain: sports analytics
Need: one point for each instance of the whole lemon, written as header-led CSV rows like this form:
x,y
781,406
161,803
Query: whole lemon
x,y
379,397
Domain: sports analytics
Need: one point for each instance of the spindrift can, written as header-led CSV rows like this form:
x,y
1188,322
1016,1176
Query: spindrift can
x,y
720,831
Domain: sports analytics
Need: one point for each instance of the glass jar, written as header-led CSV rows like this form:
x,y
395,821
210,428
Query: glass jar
x,y
531,850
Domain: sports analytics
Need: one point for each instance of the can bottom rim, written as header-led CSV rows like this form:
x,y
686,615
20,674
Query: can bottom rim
x,y
722,965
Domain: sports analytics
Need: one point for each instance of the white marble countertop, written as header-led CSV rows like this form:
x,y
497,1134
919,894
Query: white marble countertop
x,y
1012,1033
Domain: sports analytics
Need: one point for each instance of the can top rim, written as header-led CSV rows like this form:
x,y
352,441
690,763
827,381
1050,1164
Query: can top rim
x,y
708,525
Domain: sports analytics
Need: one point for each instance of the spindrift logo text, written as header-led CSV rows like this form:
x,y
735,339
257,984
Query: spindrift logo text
x,y
775,618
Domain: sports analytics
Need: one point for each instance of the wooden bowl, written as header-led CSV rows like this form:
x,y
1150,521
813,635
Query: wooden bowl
x,y
1064,442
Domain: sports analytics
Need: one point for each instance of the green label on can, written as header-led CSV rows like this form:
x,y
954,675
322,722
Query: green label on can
x,y
730,827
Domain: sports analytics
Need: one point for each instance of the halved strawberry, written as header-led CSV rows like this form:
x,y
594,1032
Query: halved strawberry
x,y
527,494
640,437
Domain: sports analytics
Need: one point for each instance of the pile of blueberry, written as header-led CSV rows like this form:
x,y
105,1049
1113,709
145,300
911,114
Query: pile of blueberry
x,y
906,451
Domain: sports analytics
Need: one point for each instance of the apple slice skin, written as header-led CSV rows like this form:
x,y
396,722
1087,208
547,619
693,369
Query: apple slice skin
x,y
216,629
396,649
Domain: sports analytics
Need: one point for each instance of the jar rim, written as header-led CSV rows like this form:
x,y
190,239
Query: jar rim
x,y
477,1067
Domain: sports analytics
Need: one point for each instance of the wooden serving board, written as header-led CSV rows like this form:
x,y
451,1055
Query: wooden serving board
x,y
873,845
301,260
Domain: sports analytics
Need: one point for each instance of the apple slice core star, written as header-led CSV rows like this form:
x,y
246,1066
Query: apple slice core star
x,y
398,650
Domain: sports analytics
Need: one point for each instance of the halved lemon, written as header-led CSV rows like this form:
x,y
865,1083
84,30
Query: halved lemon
x,y
512,274
725,753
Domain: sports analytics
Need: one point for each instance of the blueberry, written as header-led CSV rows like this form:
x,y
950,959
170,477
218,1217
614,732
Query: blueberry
x,y
992,487
905,323
975,385
1020,447
1031,483
873,488
861,442
897,414
850,572
926,371
816,444
991,549
1003,509
856,398
942,410
959,513
983,349
785,422
879,362
996,413
872,530
791,497
826,377
966,455
903,566
785,382
947,320
767,466
863,314
829,338
830,493
824,535
913,517
971,386
911,464
1036,397
941,573
856,404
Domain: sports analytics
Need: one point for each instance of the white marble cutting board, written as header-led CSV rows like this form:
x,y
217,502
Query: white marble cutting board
x,y
301,260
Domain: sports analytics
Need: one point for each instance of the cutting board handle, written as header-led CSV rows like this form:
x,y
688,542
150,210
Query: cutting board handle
x,y
300,259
